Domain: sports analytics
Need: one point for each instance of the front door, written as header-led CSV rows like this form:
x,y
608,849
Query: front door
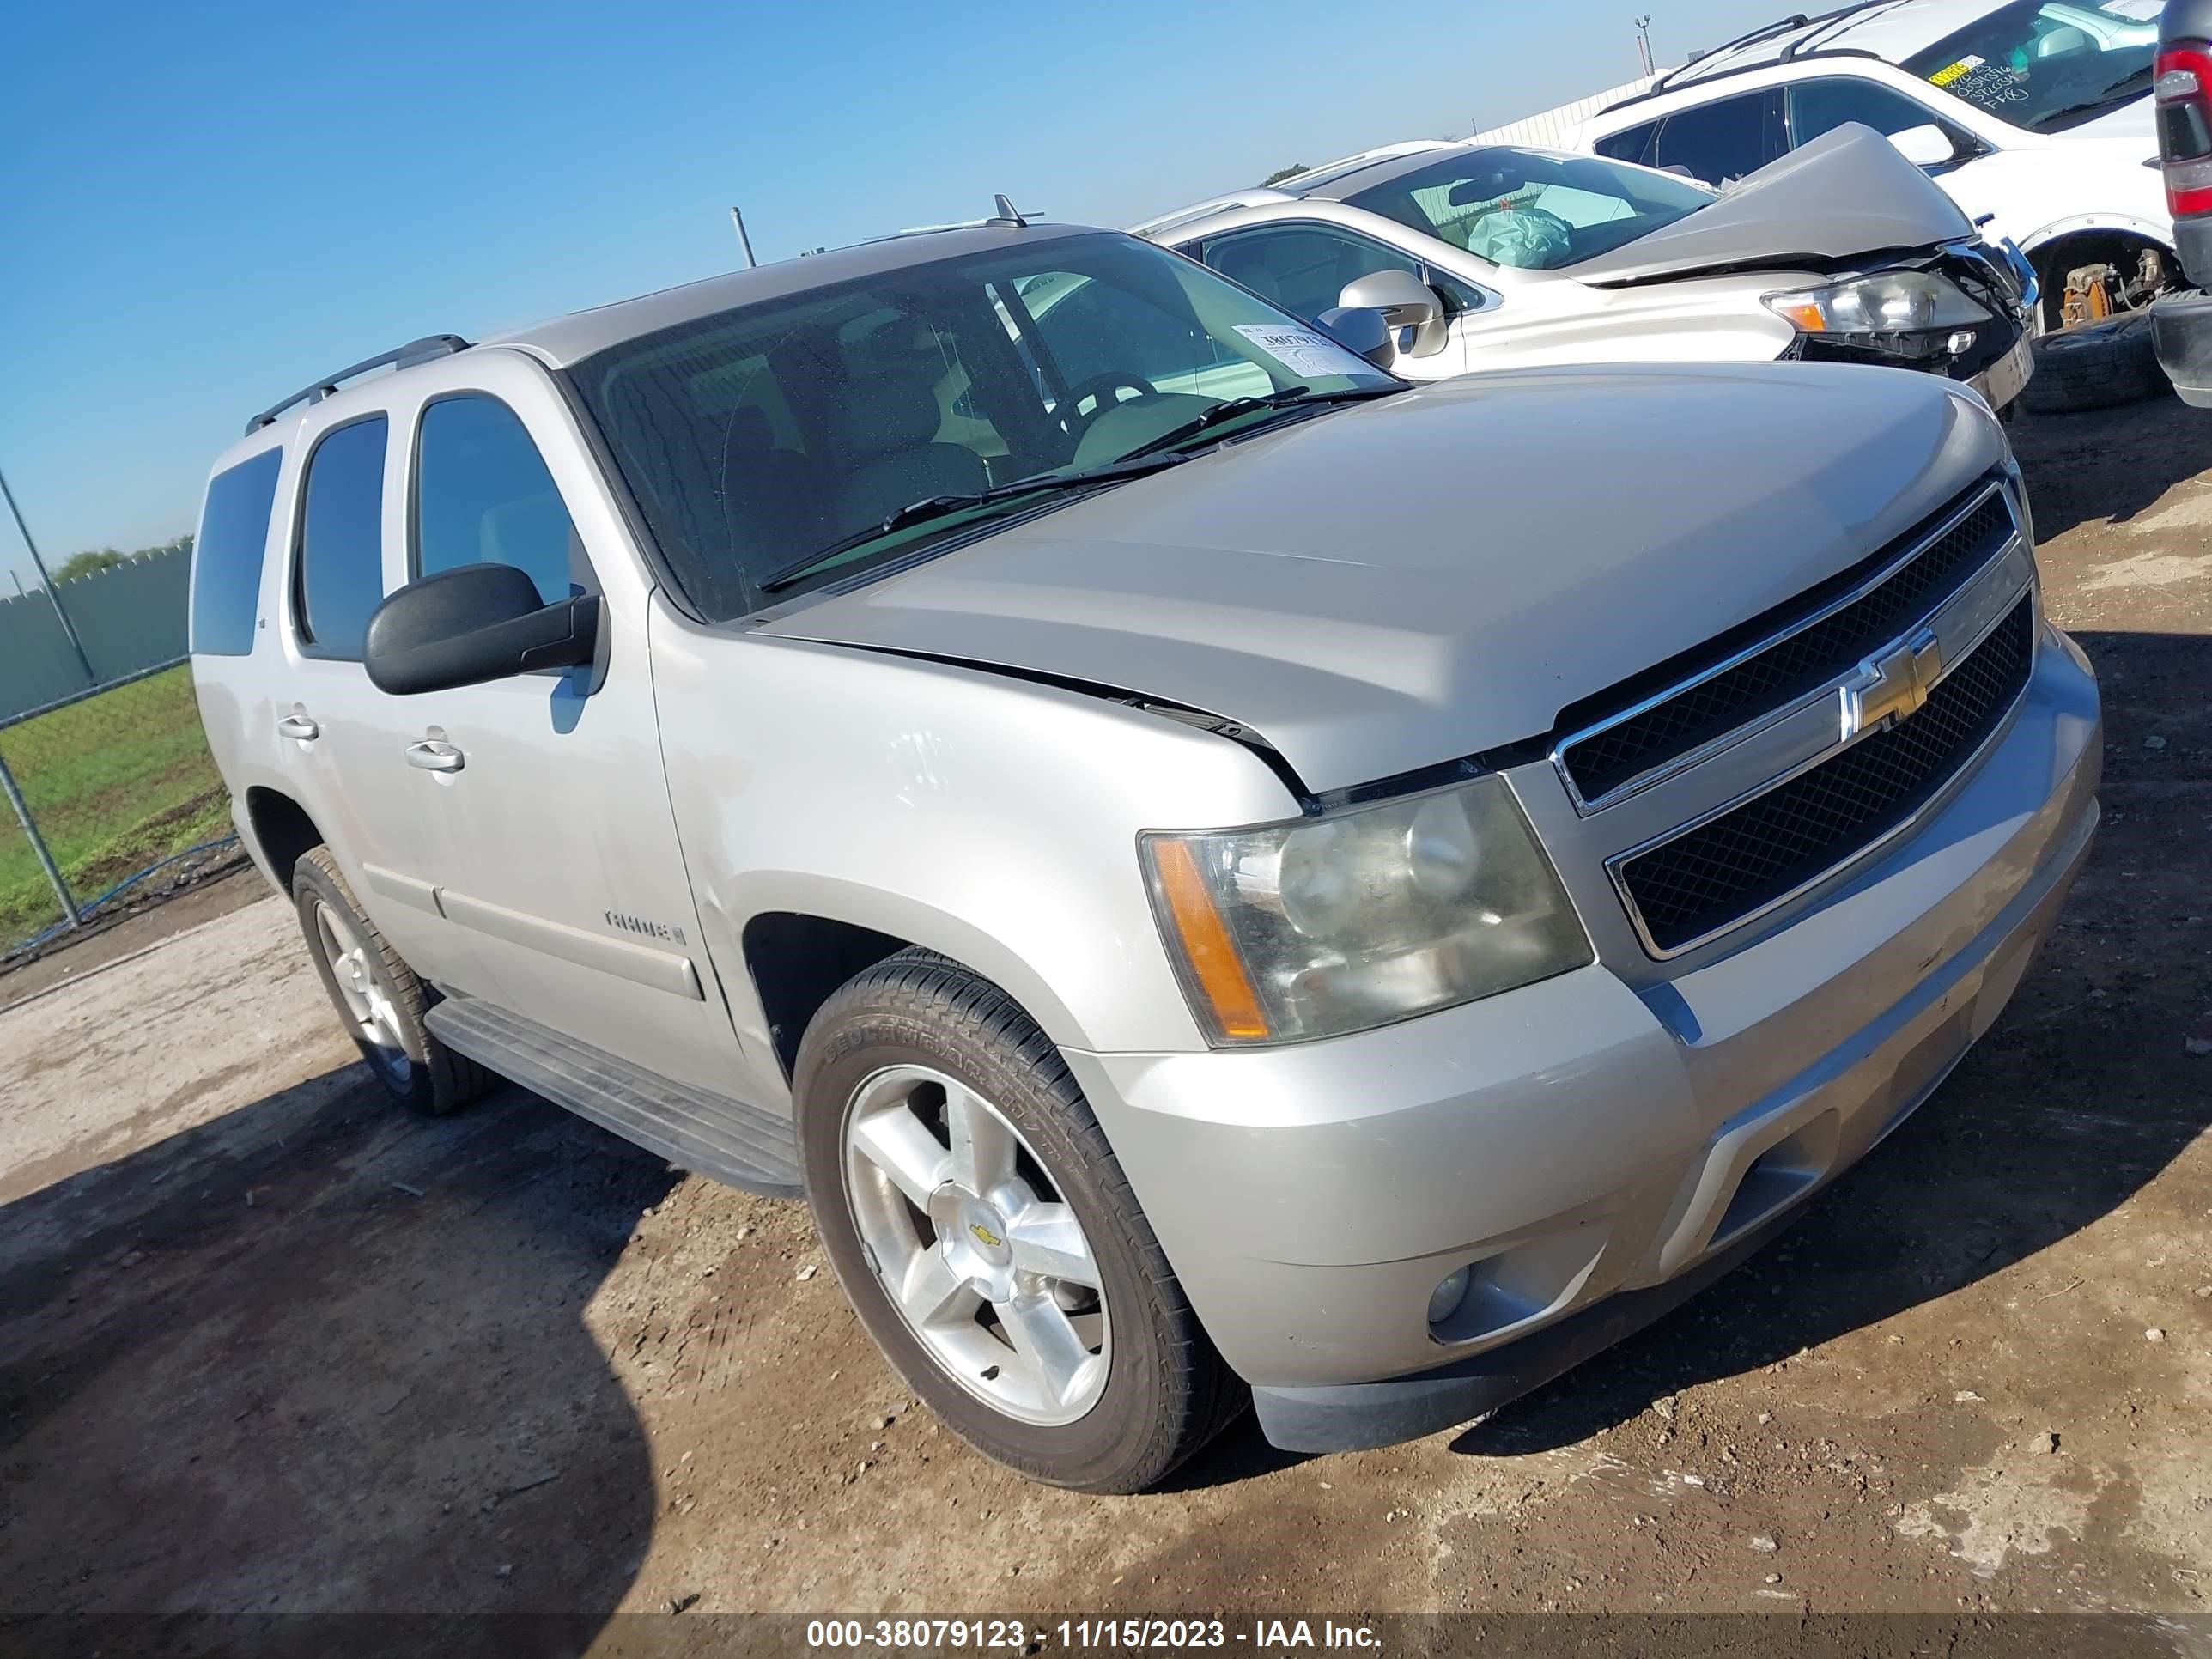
x,y
567,879
1304,267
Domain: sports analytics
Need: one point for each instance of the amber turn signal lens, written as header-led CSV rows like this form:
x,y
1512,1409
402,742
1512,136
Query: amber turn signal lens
x,y
1215,966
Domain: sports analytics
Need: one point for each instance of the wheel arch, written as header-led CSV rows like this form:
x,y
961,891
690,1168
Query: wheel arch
x,y
278,831
800,947
2120,227
2055,251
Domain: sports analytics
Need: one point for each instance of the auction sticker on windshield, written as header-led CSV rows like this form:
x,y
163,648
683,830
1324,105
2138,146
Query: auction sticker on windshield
x,y
1302,351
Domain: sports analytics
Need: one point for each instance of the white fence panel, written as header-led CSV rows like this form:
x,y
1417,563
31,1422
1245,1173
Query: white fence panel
x,y
1553,129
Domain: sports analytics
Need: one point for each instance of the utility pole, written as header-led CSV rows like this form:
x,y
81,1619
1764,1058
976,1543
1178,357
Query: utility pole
x,y
743,240
60,614
1644,43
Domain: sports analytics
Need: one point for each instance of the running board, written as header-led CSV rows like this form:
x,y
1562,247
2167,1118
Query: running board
x,y
710,1134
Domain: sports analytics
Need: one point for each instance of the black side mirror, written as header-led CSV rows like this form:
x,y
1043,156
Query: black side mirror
x,y
1362,329
473,623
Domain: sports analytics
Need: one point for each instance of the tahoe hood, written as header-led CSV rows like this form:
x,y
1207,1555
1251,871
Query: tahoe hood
x,y
1384,586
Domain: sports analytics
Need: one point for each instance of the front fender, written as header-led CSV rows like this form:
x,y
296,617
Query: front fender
x,y
991,819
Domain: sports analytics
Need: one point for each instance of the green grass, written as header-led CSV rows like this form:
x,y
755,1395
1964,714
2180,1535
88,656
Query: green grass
x,y
115,782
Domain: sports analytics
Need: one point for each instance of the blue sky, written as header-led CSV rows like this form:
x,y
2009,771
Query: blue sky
x,y
209,206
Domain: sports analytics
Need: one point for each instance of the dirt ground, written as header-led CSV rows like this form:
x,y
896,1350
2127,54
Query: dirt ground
x,y
267,1344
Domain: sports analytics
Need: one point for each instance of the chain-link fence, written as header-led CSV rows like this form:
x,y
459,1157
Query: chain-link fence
x,y
116,800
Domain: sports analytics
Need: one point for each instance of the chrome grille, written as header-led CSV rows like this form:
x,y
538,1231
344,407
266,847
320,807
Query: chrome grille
x,y
1717,875
1826,641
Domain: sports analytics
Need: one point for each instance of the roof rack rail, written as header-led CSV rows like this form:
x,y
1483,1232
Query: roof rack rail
x,y
1795,20
414,351
1795,52
1804,46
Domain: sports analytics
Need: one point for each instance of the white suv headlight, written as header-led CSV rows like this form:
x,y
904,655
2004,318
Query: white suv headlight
x,y
1345,922
1889,302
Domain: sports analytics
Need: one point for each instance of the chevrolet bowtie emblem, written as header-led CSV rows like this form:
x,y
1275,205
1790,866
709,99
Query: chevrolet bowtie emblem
x,y
1886,689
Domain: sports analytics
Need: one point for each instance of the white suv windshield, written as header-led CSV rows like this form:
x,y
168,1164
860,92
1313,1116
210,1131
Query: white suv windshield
x,y
796,436
2047,66
1532,209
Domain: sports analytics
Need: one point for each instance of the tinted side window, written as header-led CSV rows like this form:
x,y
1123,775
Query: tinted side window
x,y
342,539
1723,140
1302,268
1093,329
1630,144
482,496
1821,105
227,556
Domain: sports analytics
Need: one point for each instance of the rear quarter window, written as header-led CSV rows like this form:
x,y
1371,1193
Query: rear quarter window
x,y
227,556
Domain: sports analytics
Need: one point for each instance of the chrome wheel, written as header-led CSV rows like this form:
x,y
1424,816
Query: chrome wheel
x,y
971,1243
367,1005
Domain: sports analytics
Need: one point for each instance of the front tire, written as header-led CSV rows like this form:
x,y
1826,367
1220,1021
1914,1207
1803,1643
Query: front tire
x,y
988,1239
378,997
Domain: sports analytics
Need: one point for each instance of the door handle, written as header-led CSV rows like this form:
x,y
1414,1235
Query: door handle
x,y
299,725
432,756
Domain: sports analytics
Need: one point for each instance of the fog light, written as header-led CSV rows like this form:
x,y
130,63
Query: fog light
x,y
1450,1291
1960,343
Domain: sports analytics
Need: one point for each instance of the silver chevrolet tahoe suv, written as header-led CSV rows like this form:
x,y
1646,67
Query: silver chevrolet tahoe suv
x,y
1217,873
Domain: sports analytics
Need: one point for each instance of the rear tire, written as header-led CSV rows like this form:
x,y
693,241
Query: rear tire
x,y
956,1089
2096,365
378,997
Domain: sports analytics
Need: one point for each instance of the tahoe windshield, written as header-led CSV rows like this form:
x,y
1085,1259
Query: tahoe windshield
x,y
2046,66
793,439
1531,208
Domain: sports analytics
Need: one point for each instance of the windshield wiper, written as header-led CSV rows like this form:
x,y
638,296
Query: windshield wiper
x,y
1289,398
2116,92
944,507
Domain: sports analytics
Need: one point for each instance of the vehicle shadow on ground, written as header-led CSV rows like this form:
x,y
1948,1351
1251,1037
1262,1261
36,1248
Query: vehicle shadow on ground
x,y
318,1356
2066,460
2081,1093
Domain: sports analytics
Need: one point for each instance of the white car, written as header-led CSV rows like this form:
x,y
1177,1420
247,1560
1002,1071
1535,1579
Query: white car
x,y
1489,257
2036,116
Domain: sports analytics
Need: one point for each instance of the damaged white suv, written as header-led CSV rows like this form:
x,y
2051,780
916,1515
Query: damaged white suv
x,y
1493,256
1313,890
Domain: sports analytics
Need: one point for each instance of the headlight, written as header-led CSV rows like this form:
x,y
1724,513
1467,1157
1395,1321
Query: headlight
x,y
1888,304
1343,923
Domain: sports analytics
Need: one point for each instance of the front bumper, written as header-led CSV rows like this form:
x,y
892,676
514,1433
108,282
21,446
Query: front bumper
x,y
2181,327
1595,1146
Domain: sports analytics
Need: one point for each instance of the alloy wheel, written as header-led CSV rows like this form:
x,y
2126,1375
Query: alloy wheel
x,y
973,1245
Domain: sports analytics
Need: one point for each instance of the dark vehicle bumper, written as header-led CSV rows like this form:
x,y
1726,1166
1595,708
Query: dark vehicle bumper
x,y
2192,239
2181,325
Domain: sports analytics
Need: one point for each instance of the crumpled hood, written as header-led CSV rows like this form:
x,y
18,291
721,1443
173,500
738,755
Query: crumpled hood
x,y
1847,194
1396,584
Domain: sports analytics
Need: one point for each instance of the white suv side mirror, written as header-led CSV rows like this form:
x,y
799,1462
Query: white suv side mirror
x,y
1406,301
1926,146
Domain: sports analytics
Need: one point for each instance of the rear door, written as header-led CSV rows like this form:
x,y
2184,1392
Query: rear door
x,y
566,875
340,741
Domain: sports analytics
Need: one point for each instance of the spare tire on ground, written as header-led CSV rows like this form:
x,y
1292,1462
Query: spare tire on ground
x,y
2095,366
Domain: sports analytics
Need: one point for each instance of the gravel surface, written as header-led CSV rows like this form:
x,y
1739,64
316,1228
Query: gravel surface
x,y
266,1344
